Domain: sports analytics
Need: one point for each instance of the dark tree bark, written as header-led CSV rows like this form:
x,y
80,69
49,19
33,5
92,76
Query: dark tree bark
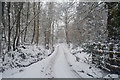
x,y
66,26
119,21
45,40
3,21
52,42
9,32
1,32
34,23
66,30
3,4
49,34
18,29
113,22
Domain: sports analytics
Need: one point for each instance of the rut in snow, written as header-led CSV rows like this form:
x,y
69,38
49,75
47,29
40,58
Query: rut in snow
x,y
60,66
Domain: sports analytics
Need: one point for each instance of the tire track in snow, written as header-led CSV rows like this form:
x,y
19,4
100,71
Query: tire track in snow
x,y
61,68
48,70
70,66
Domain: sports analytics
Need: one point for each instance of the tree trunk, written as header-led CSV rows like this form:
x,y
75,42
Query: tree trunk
x,y
50,20
22,34
34,24
66,30
3,21
17,29
1,32
52,42
9,32
27,21
18,26
119,20
49,34
113,21
37,29
17,36
45,40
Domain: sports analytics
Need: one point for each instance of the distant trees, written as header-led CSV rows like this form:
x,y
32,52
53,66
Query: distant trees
x,y
67,17
84,21
38,22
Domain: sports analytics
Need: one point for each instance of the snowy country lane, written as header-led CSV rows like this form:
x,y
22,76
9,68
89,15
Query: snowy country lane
x,y
55,66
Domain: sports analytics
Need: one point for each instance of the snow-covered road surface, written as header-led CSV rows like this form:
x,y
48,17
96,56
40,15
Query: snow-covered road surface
x,y
55,66
61,68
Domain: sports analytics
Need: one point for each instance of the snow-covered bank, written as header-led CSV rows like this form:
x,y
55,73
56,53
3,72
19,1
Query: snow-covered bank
x,y
23,56
80,62
36,70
